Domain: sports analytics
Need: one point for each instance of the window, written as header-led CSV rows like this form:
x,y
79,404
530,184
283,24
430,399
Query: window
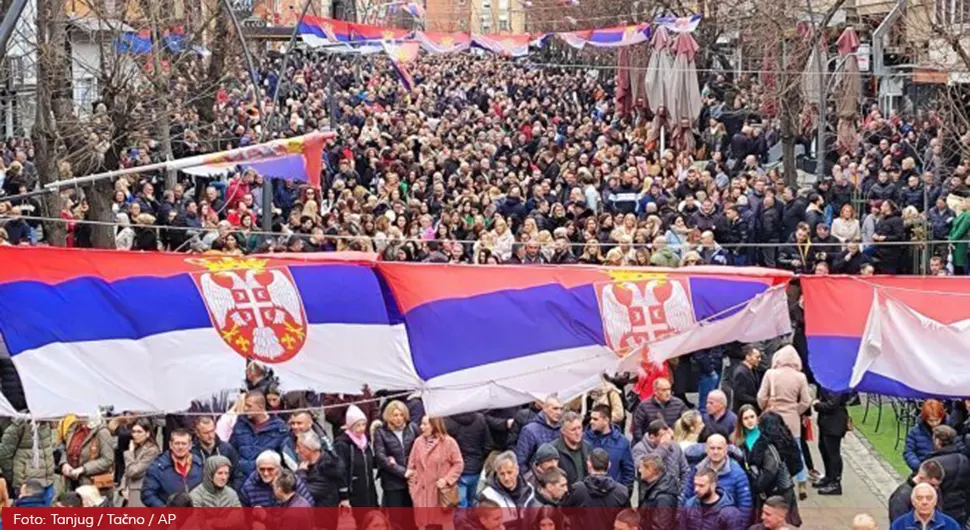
x,y
486,4
85,93
952,11
503,25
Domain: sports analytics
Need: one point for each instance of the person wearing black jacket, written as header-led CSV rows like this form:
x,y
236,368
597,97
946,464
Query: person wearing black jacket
x,y
322,470
901,502
392,447
797,255
746,380
659,491
358,457
607,496
889,230
833,423
523,417
500,422
851,260
474,438
324,474
955,488
794,215
769,229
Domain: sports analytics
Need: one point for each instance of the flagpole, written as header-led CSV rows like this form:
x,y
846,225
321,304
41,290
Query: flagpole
x,y
180,163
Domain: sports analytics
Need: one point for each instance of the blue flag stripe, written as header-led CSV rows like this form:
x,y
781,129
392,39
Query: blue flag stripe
x,y
36,314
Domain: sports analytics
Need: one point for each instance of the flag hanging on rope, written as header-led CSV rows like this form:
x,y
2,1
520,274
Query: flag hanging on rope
x,y
299,158
154,331
897,336
401,54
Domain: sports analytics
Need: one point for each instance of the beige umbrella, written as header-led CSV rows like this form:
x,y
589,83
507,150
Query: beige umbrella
x,y
685,93
848,92
658,71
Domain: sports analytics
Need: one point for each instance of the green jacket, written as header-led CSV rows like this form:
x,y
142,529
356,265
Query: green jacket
x,y
960,230
17,453
207,495
665,257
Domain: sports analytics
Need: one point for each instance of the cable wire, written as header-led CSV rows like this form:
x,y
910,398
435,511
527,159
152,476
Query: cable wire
x,y
402,240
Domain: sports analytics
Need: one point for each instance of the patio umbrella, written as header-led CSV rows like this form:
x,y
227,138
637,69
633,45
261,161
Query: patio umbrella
x,y
658,71
685,93
849,89
623,97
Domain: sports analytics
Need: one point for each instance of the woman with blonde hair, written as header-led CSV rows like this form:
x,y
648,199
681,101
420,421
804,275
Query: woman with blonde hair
x,y
393,439
547,247
687,429
691,258
846,226
615,258
435,464
503,239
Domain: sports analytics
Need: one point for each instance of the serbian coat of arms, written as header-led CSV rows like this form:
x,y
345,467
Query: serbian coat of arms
x,y
256,311
640,310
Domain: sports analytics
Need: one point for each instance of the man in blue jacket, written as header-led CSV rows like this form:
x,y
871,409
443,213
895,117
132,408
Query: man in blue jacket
x,y
602,435
177,470
543,429
924,515
256,432
730,476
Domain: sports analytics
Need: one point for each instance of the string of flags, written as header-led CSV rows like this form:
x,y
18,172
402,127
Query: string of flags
x,y
327,32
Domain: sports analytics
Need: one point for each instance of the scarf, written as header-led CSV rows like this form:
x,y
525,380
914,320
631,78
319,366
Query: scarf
x,y
76,443
751,437
359,440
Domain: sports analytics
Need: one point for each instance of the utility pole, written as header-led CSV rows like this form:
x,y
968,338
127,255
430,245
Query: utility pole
x,y
820,139
267,206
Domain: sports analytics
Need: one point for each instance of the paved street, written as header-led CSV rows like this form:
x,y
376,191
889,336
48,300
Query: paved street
x,y
867,484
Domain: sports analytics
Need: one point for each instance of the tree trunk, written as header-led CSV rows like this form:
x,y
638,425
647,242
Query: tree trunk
x,y
217,65
51,36
99,209
160,82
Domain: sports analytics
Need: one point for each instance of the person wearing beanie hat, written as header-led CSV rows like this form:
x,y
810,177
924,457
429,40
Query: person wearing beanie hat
x,y
354,448
547,457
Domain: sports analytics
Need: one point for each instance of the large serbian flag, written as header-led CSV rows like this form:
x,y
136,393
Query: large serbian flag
x,y
152,332
900,336
505,45
299,158
443,42
612,37
319,31
401,54
497,336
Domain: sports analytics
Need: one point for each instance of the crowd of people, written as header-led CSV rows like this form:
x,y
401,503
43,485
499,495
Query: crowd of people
x,y
645,458
493,161
489,160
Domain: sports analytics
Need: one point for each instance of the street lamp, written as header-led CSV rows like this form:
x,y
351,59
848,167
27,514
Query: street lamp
x,y
823,89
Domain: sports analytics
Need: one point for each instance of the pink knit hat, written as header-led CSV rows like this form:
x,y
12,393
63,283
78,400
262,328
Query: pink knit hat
x,y
354,414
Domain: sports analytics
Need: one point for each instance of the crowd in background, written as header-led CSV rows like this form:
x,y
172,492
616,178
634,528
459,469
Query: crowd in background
x,y
493,161
490,160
